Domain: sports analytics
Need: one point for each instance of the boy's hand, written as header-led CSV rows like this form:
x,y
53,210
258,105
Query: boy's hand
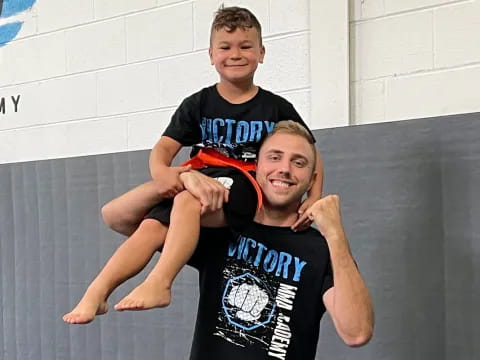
x,y
210,192
169,183
303,220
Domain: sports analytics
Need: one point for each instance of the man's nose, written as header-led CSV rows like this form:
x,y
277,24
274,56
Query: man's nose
x,y
285,167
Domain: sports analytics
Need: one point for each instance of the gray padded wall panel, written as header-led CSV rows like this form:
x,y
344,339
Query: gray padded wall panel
x,y
388,177
52,244
410,205
461,199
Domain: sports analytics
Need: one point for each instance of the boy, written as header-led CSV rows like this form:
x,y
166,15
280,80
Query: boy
x,y
228,120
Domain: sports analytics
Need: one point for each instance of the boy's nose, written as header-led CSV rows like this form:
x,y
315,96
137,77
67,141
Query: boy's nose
x,y
235,54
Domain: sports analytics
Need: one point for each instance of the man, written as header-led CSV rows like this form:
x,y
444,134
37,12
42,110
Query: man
x,y
263,291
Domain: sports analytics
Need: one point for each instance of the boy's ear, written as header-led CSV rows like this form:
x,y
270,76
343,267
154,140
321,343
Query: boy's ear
x,y
262,54
210,54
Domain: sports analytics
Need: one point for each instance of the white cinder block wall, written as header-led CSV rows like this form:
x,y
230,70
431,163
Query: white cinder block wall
x,y
99,76
414,58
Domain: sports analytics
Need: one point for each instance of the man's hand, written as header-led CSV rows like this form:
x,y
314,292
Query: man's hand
x,y
326,215
168,184
210,192
303,220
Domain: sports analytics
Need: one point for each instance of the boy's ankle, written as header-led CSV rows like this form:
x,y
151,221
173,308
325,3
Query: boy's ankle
x,y
159,281
98,291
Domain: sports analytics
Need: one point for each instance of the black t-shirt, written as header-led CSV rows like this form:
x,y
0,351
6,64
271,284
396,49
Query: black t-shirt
x,y
260,293
206,118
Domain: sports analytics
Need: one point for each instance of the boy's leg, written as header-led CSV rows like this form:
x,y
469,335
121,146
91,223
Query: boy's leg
x,y
125,213
182,238
180,243
127,261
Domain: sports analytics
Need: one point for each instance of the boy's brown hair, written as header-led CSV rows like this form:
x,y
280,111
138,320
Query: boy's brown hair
x,y
233,17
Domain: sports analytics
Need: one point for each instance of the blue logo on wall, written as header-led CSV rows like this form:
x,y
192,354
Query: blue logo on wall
x,y
9,25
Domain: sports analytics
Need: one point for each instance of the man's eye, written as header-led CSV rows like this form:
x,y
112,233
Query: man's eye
x,y
299,163
274,157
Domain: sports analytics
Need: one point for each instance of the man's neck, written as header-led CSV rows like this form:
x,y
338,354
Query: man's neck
x,y
237,93
277,216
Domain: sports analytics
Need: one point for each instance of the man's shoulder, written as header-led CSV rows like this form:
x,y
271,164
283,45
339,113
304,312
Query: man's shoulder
x,y
311,233
305,244
221,233
285,231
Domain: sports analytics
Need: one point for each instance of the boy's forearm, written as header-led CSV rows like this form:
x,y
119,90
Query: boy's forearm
x,y
158,160
162,155
317,187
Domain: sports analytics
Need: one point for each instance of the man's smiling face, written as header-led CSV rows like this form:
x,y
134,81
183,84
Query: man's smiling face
x,y
285,170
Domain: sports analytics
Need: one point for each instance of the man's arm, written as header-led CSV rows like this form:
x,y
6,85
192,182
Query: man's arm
x,y
348,301
125,213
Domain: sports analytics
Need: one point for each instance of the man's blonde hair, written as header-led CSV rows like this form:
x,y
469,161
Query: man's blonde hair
x,y
293,128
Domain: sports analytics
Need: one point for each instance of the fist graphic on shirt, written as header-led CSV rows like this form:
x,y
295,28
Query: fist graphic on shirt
x,y
249,300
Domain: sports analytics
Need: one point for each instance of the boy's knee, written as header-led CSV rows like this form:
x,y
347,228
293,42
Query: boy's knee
x,y
107,215
114,221
186,200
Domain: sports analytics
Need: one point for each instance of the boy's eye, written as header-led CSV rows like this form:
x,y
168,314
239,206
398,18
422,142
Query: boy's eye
x,y
224,47
246,47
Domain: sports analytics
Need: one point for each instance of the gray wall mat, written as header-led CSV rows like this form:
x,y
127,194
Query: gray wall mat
x,y
389,180
409,200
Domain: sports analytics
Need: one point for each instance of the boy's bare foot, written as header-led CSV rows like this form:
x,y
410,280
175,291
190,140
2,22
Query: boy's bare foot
x,y
89,306
148,295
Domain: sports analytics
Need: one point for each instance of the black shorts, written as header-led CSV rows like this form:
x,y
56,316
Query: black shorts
x,y
242,200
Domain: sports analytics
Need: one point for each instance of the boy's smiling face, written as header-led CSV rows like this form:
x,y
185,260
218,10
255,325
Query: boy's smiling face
x,y
236,54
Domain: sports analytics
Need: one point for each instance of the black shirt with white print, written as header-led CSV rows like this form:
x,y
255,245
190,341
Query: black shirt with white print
x,y
260,293
207,119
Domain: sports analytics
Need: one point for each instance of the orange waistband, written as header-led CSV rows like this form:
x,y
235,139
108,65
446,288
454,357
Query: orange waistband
x,y
210,157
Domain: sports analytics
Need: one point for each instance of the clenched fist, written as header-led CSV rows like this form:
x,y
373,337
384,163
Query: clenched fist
x,y
326,215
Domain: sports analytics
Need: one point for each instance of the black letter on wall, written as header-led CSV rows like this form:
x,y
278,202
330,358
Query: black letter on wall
x,y
2,105
15,102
